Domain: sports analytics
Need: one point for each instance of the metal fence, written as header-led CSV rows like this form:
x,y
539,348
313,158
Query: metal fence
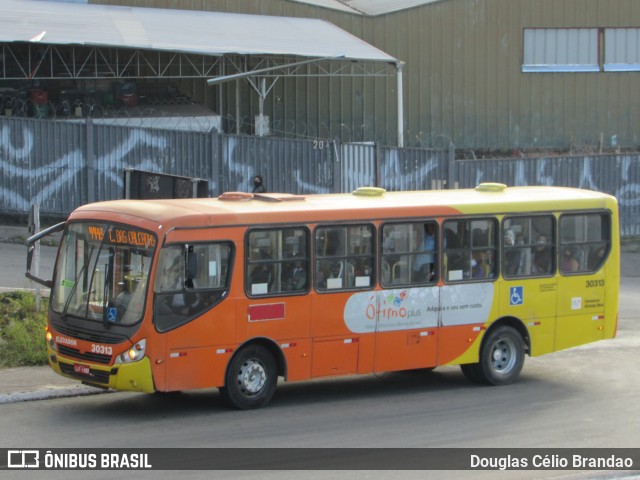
x,y
63,165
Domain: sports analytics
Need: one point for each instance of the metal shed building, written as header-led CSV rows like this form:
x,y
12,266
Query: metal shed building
x,y
481,74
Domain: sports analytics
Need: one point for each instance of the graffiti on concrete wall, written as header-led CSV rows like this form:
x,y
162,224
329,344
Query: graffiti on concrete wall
x,y
288,166
25,181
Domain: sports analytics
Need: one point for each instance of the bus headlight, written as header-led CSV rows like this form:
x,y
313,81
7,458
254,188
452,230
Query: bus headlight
x,y
50,341
134,354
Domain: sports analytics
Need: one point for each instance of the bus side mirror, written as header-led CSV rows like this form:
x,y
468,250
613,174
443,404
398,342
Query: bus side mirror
x,y
31,247
30,250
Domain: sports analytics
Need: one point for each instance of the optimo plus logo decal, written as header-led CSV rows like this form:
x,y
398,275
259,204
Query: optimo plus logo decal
x,y
421,307
390,310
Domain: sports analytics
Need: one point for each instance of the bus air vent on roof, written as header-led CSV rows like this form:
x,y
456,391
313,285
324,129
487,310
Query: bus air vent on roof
x,y
235,196
491,187
369,191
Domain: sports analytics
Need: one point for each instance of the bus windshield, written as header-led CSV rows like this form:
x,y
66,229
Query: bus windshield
x,y
102,273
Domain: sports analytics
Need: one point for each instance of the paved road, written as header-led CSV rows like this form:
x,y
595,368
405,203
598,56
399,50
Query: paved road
x,y
13,258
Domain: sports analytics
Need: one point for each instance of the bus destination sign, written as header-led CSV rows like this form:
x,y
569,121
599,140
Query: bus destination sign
x,y
122,236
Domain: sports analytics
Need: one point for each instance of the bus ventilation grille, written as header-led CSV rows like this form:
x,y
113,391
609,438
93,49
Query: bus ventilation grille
x,y
89,357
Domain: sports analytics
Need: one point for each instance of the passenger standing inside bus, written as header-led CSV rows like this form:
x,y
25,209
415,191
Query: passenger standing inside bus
x,y
512,255
479,268
298,279
541,257
423,267
258,185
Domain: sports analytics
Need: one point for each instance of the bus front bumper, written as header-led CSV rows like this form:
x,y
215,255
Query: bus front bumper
x,y
133,377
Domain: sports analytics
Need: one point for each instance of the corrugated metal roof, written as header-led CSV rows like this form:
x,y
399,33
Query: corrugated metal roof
x,y
206,33
332,4
368,7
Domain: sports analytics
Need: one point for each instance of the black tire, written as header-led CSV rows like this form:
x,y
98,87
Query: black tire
x,y
501,358
470,371
251,378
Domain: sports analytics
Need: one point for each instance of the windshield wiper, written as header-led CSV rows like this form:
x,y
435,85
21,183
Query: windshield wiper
x,y
105,296
75,287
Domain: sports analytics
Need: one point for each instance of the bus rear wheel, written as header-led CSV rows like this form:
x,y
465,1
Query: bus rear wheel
x,y
501,358
251,378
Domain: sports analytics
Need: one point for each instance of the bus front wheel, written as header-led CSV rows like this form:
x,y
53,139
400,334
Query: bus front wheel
x,y
501,358
251,378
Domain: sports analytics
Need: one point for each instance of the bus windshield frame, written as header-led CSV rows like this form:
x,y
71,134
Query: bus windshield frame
x,y
102,273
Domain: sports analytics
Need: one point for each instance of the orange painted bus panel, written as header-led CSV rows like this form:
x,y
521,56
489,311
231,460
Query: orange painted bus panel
x,y
185,368
188,346
328,314
335,357
275,318
297,355
406,350
366,351
459,343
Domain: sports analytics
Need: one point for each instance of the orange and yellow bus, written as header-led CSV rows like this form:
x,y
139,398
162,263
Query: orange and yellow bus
x,y
236,291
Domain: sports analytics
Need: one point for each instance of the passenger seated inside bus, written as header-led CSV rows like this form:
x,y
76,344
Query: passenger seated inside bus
x,y
174,279
261,278
597,257
569,262
362,273
331,277
295,276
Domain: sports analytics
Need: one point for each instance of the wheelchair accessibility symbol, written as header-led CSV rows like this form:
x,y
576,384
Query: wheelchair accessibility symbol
x,y
516,296
112,314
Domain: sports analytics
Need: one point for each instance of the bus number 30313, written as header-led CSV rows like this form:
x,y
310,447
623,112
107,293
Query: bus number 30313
x,y
101,349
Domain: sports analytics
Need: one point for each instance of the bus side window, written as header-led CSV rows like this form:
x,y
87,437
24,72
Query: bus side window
x,y
409,253
585,241
190,279
344,257
528,246
277,261
470,247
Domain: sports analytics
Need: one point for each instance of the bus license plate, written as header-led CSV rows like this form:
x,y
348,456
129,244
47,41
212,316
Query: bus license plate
x,y
82,369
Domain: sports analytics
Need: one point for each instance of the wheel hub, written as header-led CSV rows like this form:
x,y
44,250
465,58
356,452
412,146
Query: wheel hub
x,y
503,357
252,377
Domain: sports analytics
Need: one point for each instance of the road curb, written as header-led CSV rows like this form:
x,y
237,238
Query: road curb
x,y
76,391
